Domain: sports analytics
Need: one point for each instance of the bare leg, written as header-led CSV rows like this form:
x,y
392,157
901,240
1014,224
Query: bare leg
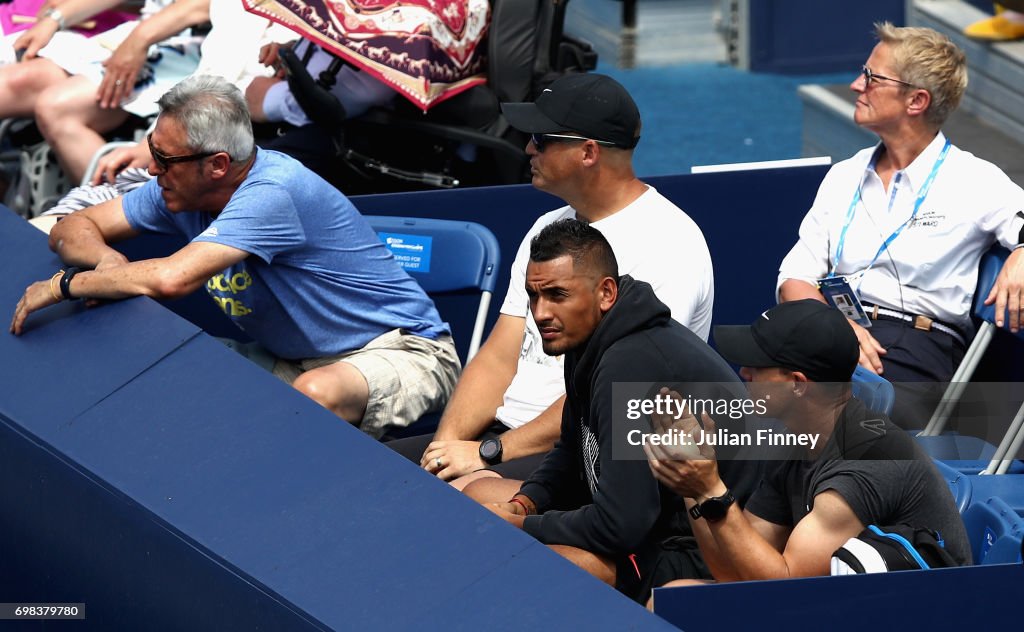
x,y
338,387
461,482
73,123
492,490
598,566
21,84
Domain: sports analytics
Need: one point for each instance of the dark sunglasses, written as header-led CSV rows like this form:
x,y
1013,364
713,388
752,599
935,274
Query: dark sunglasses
x,y
872,76
164,161
540,141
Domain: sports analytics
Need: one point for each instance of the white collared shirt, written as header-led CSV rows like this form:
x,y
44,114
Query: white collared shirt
x,y
931,268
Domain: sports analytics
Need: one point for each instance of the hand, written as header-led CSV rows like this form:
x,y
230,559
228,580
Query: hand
x,y
452,459
37,296
508,512
120,72
120,159
686,474
270,57
35,38
1007,292
870,349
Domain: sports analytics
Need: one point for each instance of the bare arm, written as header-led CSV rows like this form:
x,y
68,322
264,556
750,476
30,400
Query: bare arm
x,y
83,238
795,289
455,450
480,389
807,551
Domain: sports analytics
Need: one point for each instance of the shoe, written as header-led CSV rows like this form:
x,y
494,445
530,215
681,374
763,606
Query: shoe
x,y
996,29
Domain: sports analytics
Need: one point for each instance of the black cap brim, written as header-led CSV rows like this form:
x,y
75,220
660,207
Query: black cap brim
x,y
736,344
527,117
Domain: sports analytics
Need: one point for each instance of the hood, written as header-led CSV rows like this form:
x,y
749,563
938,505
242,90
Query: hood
x,y
637,308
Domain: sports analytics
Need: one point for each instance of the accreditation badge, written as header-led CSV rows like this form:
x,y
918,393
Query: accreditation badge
x,y
840,295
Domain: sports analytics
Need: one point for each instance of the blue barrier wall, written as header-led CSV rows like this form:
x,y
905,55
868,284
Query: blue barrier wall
x,y
969,598
168,484
811,36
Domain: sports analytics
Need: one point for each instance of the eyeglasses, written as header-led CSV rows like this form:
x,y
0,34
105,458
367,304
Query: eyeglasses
x,y
540,141
873,76
164,161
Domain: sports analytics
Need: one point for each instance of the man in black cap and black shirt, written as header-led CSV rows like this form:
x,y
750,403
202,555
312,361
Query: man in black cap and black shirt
x,y
504,415
853,467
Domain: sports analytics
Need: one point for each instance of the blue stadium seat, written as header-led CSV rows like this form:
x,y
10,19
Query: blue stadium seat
x,y
991,263
874,390
445,257
995,532
970,454
959,485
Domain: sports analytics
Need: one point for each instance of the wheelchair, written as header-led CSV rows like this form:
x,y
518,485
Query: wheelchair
x,y
463,141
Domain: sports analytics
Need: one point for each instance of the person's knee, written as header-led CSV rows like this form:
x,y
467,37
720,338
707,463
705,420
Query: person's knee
x,y
489,489
462,482
342,390
56,108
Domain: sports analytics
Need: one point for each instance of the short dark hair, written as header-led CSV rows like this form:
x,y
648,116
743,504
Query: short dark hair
x,y
585,244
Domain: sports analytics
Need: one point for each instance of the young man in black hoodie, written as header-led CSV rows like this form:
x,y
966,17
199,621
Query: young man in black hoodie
x,y
607,515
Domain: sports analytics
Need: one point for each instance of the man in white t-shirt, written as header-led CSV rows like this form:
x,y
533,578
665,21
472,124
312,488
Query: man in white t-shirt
x,y
505,413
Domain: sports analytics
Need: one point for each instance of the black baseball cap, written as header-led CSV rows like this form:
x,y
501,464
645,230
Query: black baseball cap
x,y
590,104
806,336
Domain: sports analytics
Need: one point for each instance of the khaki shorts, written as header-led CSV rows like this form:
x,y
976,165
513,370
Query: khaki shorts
x,y
408,376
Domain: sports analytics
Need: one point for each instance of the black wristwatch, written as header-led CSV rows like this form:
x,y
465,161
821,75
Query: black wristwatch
x,y
713,509
490,451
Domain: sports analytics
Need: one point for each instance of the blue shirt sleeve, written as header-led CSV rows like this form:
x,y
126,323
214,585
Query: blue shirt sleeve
x,y
145,210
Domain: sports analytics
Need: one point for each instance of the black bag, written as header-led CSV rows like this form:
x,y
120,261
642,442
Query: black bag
x,y
895,548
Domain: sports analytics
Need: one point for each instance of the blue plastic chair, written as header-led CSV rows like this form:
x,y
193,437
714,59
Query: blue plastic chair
x,y
1000,457
874,390
995,532
445,257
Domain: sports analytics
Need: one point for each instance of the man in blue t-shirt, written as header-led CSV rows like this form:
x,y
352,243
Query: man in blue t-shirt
x,y
286,256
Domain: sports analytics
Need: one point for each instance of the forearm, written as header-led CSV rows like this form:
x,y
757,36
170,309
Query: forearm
x,y
169,21
75,11
795,289
536,436
151,277
477,397
739,552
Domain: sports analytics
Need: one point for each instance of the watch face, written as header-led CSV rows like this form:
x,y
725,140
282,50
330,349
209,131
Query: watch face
x,y
714,509
489,449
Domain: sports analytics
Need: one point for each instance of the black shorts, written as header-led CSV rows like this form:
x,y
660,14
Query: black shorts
x,y
656,564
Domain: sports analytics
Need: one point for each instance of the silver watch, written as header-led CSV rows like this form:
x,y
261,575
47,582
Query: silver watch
x,y
58,17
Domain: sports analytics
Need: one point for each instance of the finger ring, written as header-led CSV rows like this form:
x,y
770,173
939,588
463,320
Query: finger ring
x,y
117,82
437,462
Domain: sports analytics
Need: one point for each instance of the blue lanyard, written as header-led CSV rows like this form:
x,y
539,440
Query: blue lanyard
x,y
917,206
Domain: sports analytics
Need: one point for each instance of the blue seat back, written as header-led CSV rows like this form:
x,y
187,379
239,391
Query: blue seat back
x,y
874,390
959,485
995,532
444,256
988,270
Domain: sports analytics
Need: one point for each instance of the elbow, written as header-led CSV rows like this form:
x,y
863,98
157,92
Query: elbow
x,y
170,284
56,238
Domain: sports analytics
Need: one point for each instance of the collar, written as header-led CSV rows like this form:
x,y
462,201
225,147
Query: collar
x,y
917,171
